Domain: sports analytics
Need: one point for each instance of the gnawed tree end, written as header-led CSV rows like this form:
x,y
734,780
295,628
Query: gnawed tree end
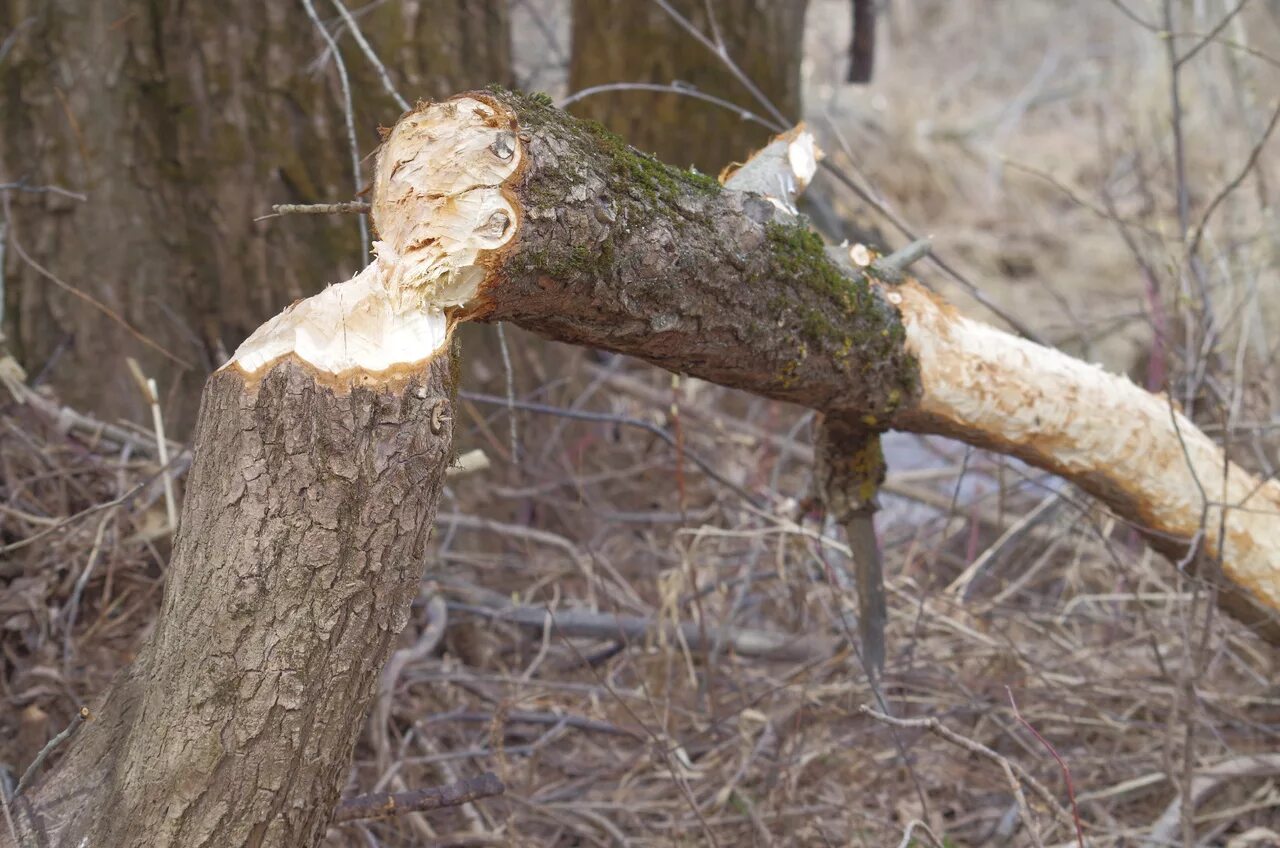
x,y
615,250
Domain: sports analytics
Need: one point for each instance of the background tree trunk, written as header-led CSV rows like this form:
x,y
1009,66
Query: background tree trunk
x,y
300,553
628,41
181,123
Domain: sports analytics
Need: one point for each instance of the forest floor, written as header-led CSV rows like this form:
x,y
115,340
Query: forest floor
x,y
1034,626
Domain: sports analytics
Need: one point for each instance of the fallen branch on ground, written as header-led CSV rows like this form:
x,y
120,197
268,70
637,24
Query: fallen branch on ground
x,y
577,624
382,805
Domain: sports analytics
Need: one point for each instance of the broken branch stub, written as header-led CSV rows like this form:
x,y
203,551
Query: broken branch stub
x,y
609,248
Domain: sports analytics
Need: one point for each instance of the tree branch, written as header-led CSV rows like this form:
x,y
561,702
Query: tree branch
x,y
381,805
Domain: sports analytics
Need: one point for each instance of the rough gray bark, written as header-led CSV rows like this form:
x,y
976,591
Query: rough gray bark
x,y
298,557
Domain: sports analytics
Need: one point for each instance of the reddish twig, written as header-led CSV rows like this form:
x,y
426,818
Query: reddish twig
x,y
1066,770
381,805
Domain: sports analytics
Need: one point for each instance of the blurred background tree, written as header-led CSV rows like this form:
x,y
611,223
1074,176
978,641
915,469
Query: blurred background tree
x,y
622,40
179,124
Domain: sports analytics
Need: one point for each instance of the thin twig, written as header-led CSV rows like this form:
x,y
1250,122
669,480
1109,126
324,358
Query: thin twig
x,y
976,293
579,623
682,89
88,298
151,395
1131,15
892,267
717,47
939,729
12,38
21,185
531,717
349,112
84,513
381,805
349,207
371,55
1066,770
584,415
73,606
81,716
511,393
1236,181
1208,38
4,240
1211,779
1232,45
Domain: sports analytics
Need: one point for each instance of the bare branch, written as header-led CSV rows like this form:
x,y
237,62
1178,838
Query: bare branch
x,y
82,715
371,55
382,805
939,729
348,111
1236,181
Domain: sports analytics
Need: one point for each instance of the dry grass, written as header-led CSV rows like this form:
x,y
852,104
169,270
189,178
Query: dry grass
x,y
1118,661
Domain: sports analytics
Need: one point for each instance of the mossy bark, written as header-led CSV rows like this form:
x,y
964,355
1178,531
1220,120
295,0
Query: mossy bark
x,y
629,41
181,123
618,251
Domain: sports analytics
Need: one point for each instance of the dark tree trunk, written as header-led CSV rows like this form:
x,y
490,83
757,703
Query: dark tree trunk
x,y
300,552
181,123
633,41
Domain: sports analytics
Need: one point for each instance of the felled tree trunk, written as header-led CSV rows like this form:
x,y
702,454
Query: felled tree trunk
x,y
613,249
